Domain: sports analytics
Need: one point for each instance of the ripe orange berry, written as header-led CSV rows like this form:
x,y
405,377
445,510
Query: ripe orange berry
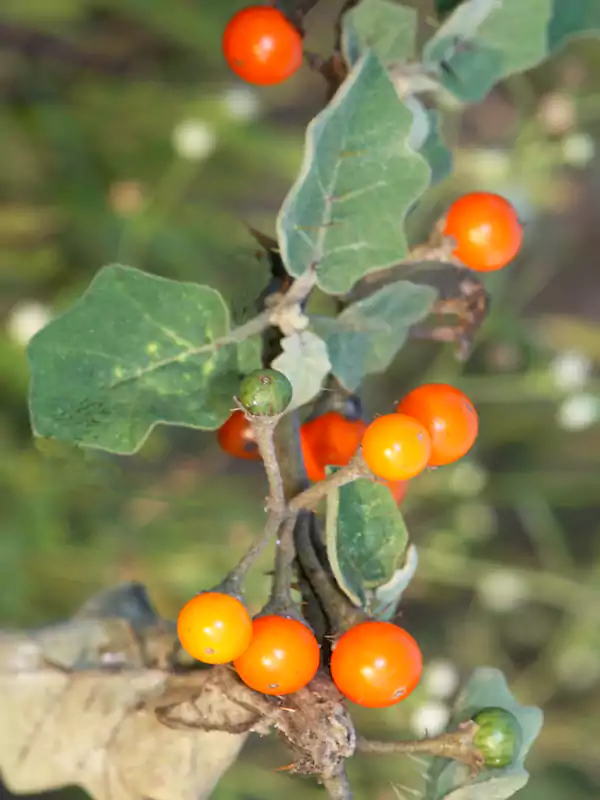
x,y
396,447
449,417
330,440
398,489
376,664
236,438
282,658
262,46
214,627
487,231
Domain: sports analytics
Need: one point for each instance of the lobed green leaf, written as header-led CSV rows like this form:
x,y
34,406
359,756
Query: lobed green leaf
x,y
367,335
483,41
386,28
134,351
344,216
450,780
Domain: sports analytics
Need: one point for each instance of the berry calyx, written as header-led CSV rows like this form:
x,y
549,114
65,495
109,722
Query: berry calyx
x,y
449,417
487,231
396,447
498,738
262,46
214,627
330,440
282,657
265,393
376,664
236,438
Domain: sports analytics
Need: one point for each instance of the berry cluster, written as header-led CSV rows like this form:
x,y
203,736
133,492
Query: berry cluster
x,y
374,664
433,425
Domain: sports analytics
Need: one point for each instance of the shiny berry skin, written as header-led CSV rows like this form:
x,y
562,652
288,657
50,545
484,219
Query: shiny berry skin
x,y
330,440
449,417
282,658
376,664
396,447
214,627
487,231
235,437
498,738
261,46
265,392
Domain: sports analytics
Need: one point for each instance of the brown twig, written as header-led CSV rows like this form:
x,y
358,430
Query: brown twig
x,y
310,498
457,745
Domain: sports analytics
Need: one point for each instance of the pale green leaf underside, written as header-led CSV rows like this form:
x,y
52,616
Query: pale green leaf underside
x,y
134,351
385,599
449,780
483,41
344,216
367,335
305,362
386,28
365,537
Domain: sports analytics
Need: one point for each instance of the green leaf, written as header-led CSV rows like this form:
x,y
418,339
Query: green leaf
x,y
450,780
366,336
573,19
386,28
434,150
305,362
483,41
344,215
366,537
385,599
134,351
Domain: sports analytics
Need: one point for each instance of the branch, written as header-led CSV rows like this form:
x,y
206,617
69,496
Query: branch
x,y
338,786
338,609
310,498
457,745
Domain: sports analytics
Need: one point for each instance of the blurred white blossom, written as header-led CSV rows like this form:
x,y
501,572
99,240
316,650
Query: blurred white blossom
x,y
578,149
440,678
194,139
468,478
502,590
241,103
556,112
490,164
430,719
571,369
578,667
578,412
25,319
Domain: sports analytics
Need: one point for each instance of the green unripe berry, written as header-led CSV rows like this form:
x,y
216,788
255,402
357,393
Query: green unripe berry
x,y
499,736
265,392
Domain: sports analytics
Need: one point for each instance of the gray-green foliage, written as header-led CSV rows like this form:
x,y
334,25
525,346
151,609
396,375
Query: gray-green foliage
x,y
451,780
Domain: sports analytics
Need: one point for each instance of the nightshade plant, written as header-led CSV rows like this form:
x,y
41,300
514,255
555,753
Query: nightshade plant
x,y
137,351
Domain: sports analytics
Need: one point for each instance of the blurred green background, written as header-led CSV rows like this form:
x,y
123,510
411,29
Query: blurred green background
x,y
123,137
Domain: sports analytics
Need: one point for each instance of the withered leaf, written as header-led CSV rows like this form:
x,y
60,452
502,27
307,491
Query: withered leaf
x,y
77,699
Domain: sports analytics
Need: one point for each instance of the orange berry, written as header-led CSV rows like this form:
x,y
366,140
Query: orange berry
x,y
487,231
282,658
214,627
235,437
449,417
262,46
396,447
398,489
376,664
330,440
